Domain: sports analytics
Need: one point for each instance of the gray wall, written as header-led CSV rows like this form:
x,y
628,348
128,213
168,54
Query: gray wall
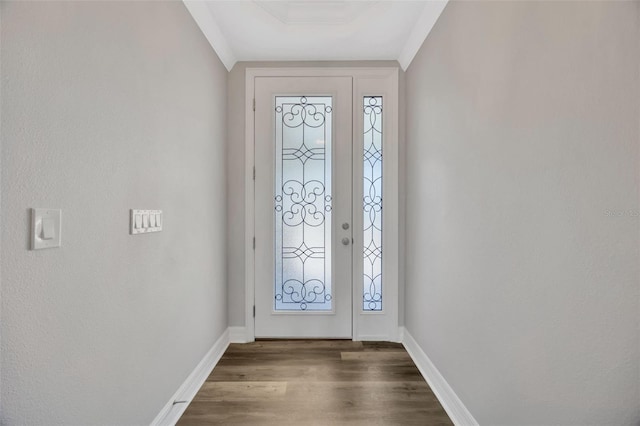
x,y
107,107
522,215
235,174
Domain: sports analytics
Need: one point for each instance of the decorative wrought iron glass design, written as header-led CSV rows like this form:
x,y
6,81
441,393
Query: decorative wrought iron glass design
x,y
372,204
303,203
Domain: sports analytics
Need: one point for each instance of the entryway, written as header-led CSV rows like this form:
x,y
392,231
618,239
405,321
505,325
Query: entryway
x,y
324,251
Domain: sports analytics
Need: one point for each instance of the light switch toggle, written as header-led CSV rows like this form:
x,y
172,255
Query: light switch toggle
x,y
48,229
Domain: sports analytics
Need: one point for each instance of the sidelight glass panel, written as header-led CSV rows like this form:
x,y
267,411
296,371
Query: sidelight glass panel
x,y
372,204
303,203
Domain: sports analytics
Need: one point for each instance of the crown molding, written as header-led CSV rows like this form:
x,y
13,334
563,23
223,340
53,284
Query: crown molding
x,y
430,14
202,15
207,24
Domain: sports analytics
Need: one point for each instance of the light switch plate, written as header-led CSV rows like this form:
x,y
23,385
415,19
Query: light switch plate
x,y
46,228
145,221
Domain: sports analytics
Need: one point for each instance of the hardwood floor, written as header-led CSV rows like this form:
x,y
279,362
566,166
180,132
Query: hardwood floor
x,y
315,382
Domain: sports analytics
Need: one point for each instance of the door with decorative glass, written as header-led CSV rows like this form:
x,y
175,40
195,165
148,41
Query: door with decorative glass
x,y
303,151
318,209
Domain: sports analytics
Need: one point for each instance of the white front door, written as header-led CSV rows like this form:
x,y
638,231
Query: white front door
x,y
303,207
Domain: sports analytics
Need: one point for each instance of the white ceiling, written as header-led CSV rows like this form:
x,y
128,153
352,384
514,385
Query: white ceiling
x,y
270,30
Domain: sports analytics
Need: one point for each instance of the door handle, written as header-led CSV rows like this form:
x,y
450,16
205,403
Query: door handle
x,y
346,241
345,226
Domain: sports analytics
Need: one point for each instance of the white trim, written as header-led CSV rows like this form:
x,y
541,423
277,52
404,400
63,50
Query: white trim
x,y
451,403
355,72
430,14
170,413
237,335
249,207
202,15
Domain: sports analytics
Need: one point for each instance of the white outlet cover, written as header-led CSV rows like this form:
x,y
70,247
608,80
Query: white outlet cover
x,y
46,228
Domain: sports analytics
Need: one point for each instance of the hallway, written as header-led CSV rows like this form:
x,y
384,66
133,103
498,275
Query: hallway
x,y
315,382
179,178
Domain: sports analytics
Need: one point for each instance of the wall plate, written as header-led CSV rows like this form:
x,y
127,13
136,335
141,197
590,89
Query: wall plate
x,y
46,228
145,221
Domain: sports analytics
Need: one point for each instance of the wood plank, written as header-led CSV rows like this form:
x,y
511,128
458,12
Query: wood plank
x,y
262,413
298,345
240,391
382,356
373,392
384,346
320,372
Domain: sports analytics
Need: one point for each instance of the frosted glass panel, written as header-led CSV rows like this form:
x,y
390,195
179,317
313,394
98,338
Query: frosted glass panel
x,y
372,204
302,203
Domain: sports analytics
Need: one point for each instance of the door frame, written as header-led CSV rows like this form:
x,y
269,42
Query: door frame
x,y
367,81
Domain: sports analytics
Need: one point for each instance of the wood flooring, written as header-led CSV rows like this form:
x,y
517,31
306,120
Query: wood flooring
x,y
315,382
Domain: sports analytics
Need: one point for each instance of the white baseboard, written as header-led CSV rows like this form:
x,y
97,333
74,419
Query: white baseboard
x,y
454,407
170,413
238,335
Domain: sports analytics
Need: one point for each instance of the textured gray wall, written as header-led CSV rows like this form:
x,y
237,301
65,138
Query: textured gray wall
x,y
522,217
235,174
106,107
